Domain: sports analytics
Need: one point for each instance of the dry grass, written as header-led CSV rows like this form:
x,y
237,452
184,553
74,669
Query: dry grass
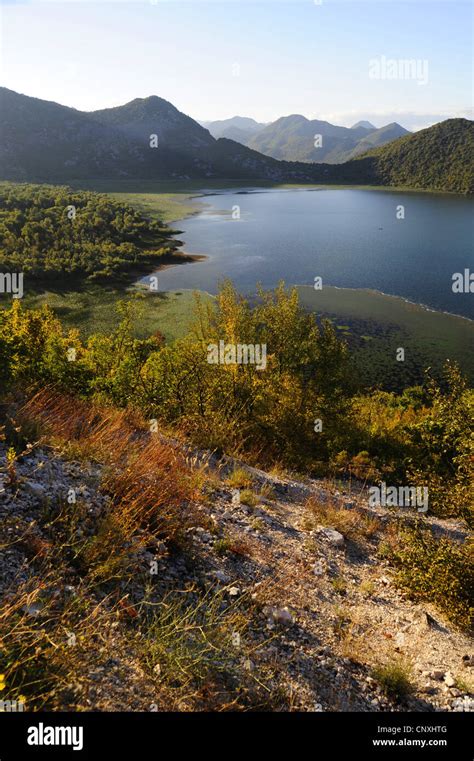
x,y
239,479
395,678
46,639
151,485
180,645
353,524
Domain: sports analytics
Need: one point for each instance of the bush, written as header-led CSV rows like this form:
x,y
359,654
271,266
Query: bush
x,y
394,679
439,571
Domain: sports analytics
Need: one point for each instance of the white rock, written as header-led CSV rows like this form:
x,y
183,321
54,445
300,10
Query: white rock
x,y
332,536
33,610
318,568
449,680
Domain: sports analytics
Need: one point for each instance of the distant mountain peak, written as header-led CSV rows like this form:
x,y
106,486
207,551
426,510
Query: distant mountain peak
x,y
365,124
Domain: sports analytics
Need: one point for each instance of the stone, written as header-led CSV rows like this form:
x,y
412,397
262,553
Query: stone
x,y
280,616
335,538
449,680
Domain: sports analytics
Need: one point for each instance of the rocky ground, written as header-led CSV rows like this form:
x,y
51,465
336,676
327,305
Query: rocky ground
x,y
324,609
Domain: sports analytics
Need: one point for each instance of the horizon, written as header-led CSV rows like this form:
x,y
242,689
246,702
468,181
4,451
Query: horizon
x,y
273,58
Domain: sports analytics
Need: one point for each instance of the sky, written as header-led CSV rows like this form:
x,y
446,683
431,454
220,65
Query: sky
x,y
338,60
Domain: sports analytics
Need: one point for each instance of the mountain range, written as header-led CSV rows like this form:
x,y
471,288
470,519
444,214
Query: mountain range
x,y
296,138
149,138
45,141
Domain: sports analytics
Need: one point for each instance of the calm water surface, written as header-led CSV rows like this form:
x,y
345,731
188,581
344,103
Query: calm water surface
x,y
350,238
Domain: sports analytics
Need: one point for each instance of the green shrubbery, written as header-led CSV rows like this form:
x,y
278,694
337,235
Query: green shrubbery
x,y
437,570
50,231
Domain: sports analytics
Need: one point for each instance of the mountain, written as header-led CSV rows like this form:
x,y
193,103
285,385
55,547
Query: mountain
x,y
46,142
295,138
364,124
42,139
240,128
143,117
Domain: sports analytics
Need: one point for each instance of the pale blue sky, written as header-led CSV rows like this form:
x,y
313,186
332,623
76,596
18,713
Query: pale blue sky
x,y
217,59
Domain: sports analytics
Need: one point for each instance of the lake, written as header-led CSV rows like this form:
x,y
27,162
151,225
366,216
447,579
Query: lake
x,y
350,238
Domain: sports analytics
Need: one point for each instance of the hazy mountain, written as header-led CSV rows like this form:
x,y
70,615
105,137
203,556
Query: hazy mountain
x,y
374,139
296,138
240,128
364,124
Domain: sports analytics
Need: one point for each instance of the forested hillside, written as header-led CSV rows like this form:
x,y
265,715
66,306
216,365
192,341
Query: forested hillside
x,y
47,230
439,158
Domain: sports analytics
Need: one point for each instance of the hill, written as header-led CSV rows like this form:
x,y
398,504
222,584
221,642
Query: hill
x,y
291,584
439,157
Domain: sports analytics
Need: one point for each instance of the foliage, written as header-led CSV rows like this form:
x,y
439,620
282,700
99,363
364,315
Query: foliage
x,y
436,570
420,437
47,230
441,445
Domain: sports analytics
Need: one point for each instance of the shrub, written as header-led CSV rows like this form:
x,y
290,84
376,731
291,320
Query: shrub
x,y
394,679
439,571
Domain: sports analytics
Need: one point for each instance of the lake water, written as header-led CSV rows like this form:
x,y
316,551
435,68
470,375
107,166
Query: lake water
x,y
350,238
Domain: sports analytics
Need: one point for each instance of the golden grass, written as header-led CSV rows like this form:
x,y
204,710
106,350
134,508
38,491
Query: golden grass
x,y
151,485
353,524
